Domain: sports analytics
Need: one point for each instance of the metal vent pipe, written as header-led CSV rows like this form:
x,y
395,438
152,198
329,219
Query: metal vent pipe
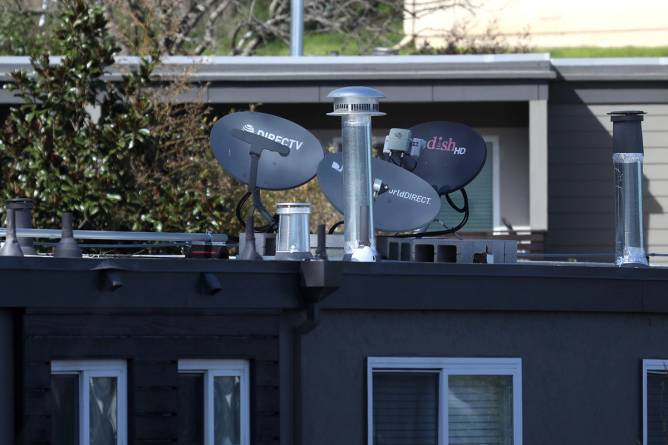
x,y
23,213
627,159
297,27
356,106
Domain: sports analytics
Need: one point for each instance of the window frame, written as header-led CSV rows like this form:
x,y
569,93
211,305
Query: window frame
x,y
87,369
446,367
496,181
211,368
649,365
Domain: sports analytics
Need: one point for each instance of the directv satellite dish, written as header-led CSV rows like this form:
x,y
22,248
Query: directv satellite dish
x,y
407,203
454,154
291,165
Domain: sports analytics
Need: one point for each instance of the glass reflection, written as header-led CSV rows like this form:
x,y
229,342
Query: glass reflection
x,y
227,410
480,407
103,411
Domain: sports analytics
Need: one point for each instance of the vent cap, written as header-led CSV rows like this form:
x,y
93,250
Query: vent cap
x,y
356,100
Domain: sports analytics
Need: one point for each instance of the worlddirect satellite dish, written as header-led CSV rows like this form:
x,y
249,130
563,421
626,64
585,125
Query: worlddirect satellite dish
x,y
407,203
277,170
453,155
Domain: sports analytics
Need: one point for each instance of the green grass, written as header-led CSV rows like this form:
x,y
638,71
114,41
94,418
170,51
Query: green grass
x,y
590,51
323,44
314,45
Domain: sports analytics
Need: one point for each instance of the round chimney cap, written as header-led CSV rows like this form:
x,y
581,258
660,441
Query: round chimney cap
x,y
629,115
356,100
356,91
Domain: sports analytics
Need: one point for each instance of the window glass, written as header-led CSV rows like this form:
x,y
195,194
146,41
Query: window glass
x,y
64,409
227,410
103,411
191,409
657,407
405,408
480,410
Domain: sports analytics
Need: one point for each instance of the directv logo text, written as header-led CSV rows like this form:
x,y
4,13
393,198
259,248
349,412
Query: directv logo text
x,y
439,143
292,143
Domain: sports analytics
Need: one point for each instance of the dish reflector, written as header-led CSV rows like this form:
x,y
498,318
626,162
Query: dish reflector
x,y
453,156
275,172
408,204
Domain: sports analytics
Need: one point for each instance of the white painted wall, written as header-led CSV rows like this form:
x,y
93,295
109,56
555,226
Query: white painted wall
x,y
550,23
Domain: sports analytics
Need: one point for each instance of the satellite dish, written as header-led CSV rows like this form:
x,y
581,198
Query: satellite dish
x,y
408,203
453,156
232,137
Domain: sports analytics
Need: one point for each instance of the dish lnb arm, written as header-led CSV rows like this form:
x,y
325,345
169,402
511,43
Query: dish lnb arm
x,y
257,145
379,187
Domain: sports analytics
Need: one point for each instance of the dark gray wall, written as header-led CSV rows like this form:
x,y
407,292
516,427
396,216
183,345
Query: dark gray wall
x,y
7,383
152,342
581,371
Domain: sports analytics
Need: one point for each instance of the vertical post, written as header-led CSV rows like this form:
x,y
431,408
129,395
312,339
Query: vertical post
x,y
538,164
297,28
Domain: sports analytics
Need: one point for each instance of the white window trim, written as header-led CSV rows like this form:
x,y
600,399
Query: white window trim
x,y
86,369
215,368
496,181
649,365
445,367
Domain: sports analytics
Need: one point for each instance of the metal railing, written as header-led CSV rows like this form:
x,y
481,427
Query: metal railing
x,y
215,239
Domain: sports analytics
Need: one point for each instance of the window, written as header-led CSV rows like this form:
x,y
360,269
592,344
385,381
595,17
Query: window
x,y
88,402
655,402
483,196
444,401
213,402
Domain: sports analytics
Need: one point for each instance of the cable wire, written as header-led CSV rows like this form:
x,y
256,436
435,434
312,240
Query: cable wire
x,y
464,209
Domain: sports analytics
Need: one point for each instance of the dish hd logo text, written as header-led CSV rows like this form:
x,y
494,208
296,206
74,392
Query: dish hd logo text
x,y
442,144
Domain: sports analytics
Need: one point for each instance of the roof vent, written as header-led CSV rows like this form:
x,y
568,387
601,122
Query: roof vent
x,y
356,100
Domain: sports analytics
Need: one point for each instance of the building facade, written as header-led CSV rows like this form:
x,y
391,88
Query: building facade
x,y
146,351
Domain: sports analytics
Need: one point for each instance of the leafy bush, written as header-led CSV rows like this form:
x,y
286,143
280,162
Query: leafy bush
x,y
144,164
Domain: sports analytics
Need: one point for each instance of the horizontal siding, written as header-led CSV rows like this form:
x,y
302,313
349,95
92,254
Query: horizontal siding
x,y
580,184
152,344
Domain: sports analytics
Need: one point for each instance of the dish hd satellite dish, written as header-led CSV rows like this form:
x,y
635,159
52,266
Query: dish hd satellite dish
x,y
405,202
453,155
288,158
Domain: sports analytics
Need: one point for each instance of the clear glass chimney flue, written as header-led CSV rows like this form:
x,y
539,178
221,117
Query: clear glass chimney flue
x,y
627,159
629,237
293,239
356,106
357,184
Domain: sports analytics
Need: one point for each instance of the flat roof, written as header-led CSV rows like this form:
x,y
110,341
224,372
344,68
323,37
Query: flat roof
x,y
613,69
438,78
332,68
347,68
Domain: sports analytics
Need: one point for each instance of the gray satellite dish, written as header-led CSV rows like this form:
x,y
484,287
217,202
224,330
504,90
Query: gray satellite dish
x,y
453,156
279,168
409,202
